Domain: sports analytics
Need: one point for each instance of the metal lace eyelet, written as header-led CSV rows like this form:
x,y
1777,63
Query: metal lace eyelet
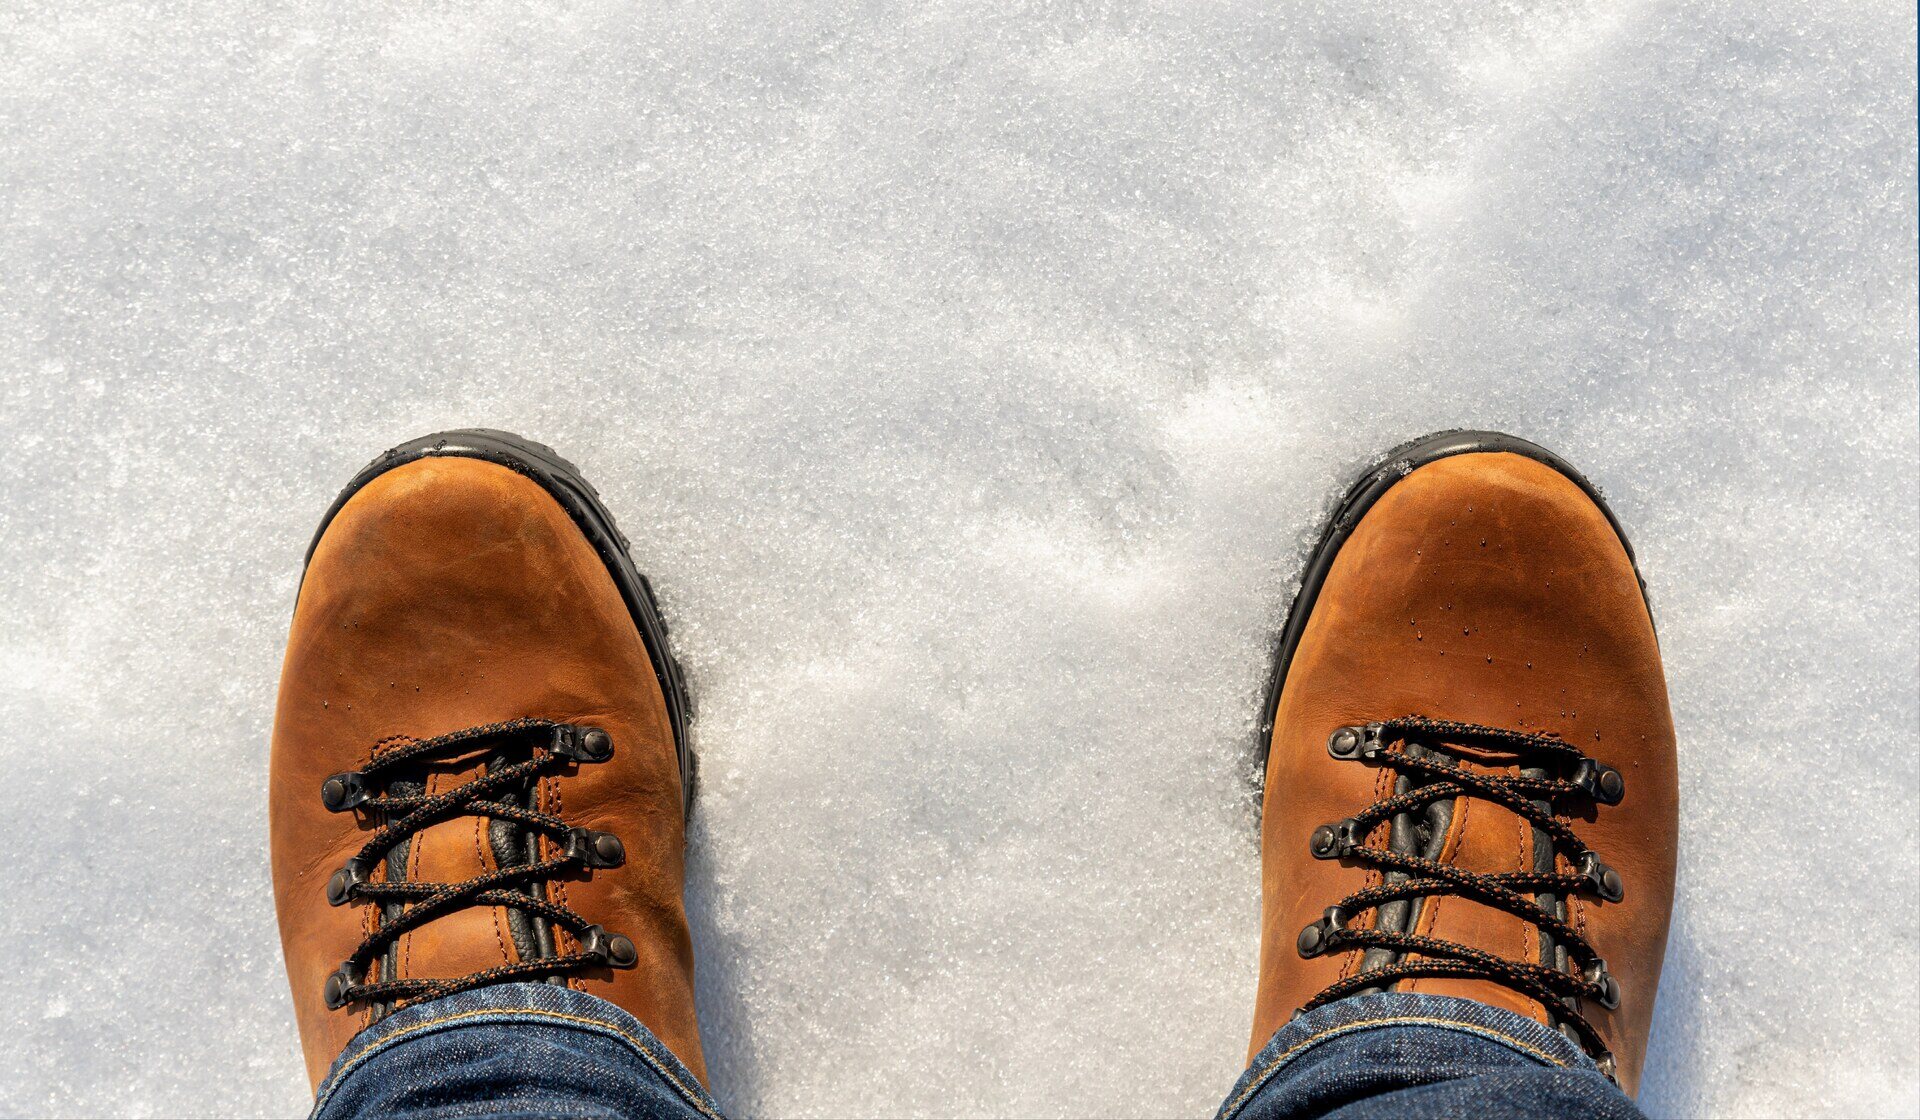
x,y
1607,988
1333,841
615,949
1323,843
1599,781
1317,936
343,791
345,883
595,849
338,991
581,743
1603,880
1344,743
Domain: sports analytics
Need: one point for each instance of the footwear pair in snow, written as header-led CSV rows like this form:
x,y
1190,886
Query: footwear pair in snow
x,y
480,769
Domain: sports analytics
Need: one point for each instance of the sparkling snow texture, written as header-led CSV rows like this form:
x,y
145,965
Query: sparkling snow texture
x,y
972,378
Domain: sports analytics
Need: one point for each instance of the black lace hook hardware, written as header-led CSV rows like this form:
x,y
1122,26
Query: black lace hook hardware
x,y
1318,936
1333,841
1604,880
343,791
581,743
613,948
594,849
345,883
1599,781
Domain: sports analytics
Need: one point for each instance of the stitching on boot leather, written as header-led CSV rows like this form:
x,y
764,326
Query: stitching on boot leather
x,y
405,971
499,913
1530,938
550,788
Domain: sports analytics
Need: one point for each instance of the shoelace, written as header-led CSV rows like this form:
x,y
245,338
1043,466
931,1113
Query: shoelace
x,y
552,747
1531,798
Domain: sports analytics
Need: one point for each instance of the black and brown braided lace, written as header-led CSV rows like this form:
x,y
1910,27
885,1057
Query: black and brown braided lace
x,y
541,748
1552,775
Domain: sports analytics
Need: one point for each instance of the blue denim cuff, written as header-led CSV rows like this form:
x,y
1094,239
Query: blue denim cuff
x,y
1527,1038
548,1006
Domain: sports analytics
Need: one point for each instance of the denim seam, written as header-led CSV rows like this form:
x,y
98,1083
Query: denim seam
x,y
1399,1021
386,1041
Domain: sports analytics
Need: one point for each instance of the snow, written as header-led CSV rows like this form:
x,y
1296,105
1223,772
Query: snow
x,y
972,378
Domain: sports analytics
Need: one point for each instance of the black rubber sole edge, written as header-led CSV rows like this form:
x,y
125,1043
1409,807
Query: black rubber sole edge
x,y
582,502
1390,469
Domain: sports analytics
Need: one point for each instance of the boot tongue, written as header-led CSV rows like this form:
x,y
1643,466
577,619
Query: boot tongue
x,y
513,845
1474,835
1424,834
474,938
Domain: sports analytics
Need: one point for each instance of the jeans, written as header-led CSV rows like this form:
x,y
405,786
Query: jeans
x,y
536,1050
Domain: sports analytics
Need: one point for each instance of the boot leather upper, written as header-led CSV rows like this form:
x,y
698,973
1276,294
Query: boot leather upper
x,y
449,593
1484,588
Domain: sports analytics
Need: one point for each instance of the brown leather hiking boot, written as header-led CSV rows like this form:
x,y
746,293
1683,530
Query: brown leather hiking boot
x,y
1471,784
479,770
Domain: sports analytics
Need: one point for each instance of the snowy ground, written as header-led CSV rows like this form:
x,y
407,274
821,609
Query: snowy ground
x,y
971,377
